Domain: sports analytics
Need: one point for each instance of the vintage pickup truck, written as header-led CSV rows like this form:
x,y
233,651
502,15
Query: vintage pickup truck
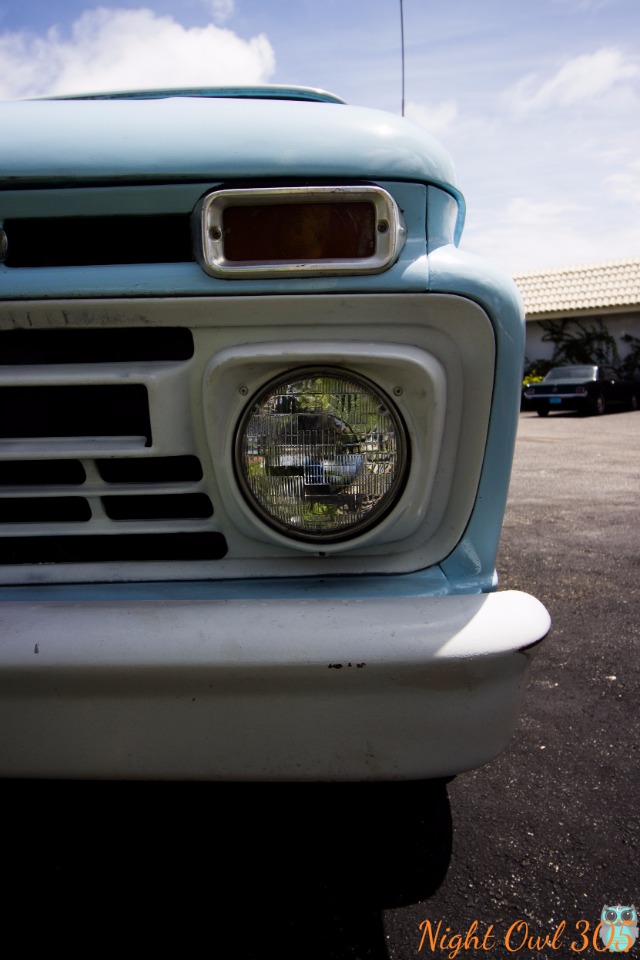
x,y
257,420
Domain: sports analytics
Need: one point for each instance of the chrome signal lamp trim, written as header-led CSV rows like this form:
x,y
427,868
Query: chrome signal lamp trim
x,y
297,231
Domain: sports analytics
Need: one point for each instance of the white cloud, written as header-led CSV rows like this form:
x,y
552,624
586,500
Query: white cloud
x,y
537,214
437,118
220,10
112,49
625,185
581,79
531,234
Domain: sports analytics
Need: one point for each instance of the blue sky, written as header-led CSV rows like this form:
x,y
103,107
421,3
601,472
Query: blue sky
x,y
539,103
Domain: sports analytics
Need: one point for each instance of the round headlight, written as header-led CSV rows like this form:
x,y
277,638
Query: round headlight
x,y
321,455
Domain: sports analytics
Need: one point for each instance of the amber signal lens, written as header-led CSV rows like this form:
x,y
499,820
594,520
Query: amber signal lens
x,y
299,232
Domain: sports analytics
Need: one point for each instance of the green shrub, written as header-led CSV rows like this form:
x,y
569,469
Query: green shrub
x,y
630,366
577,342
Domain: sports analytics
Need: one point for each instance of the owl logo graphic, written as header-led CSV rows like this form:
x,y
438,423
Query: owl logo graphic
x,y
619,928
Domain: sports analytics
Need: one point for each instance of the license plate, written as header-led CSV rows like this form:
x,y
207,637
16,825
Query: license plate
x,y
555,399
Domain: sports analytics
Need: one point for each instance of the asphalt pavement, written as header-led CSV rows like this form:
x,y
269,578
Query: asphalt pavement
x,y
549,832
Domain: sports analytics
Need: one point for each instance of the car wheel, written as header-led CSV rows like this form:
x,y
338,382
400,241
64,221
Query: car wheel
x,y
599,405
542,412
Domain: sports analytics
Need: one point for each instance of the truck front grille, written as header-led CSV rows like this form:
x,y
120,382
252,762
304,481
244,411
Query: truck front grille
x,y
90,472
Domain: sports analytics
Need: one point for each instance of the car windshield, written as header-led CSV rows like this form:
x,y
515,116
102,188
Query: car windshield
x,y
572,373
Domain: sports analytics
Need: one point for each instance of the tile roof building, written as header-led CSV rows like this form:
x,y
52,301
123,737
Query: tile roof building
x,y
607,292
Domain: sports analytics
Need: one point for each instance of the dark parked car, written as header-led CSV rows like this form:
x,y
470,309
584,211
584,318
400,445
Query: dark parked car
x,y
587,388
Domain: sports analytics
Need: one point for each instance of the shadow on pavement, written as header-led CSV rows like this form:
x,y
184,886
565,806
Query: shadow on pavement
x,y
240,870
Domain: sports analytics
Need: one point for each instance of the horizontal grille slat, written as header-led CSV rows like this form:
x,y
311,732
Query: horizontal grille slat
x,y
74,411
150,470
44,510
130,345
158,507
41,473
84,241
154,547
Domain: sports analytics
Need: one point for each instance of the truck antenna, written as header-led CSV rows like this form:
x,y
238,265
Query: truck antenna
x,y
402,51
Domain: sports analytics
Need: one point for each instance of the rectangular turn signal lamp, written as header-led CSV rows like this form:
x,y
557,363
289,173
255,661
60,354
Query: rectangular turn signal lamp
x,y
298,231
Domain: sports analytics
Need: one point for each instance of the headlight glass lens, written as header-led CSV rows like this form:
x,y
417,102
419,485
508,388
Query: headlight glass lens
x,y
321,455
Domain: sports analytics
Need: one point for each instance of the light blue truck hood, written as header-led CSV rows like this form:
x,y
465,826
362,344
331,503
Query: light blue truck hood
x,y
176,138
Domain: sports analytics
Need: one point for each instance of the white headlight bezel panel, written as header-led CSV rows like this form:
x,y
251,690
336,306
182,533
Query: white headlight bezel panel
x,y
414,378
327,467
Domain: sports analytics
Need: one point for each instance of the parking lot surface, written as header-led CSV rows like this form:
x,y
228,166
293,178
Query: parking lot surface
x,y
549,832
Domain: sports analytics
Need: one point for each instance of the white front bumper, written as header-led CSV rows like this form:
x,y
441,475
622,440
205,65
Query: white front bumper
x,y
262,689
